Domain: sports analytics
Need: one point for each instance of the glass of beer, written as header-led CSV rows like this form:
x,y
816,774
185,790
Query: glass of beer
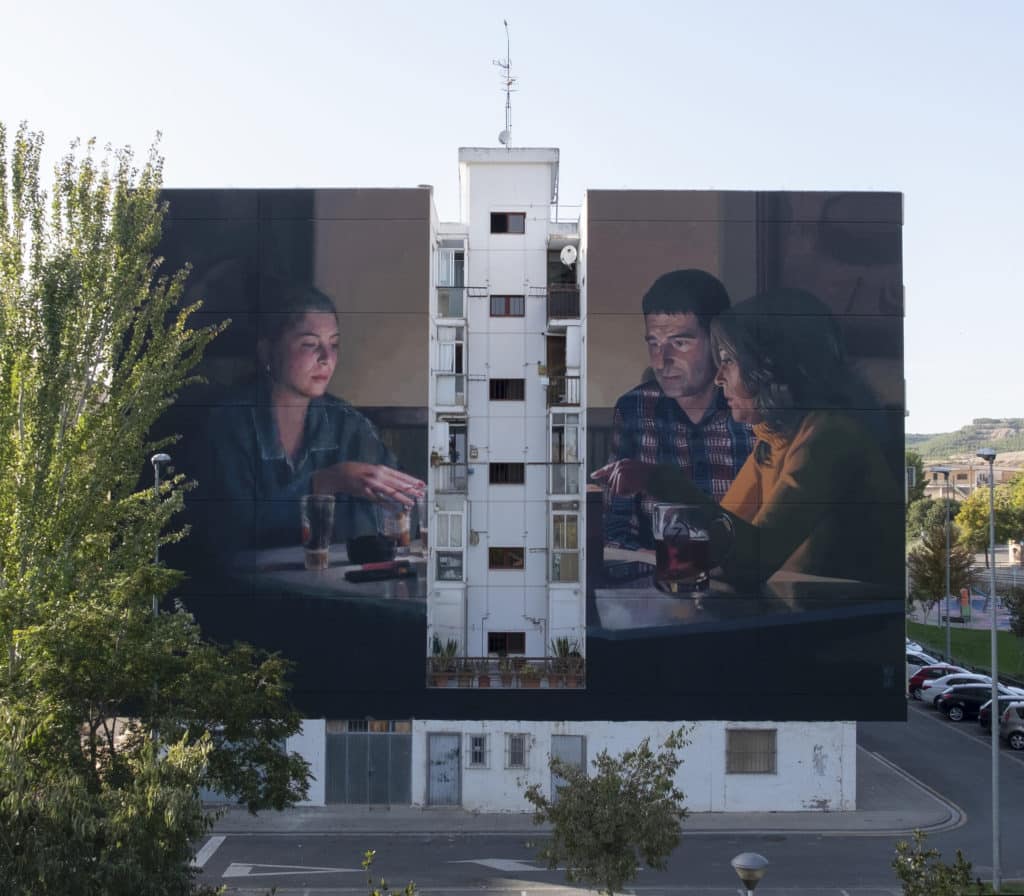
x,y
682,542
317,513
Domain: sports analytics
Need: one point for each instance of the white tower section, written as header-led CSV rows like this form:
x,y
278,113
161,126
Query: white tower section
x,y
506,416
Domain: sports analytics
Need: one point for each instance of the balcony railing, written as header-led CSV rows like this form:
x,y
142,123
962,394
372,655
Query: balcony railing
x,y
563,390
563,302
517,672
451,478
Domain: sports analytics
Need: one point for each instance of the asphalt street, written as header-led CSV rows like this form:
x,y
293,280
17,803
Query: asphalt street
x,y
828,859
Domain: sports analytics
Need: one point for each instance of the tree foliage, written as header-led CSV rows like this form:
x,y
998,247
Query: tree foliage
x,y
922,872
605,825
111,719
1013,600
914,461
926,513
927,564
973,518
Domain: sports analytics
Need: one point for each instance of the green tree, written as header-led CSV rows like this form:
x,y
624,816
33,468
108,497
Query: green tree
x,y
973,522
922,872
111,719
1014,602
927,564
925,513
605,825
914,461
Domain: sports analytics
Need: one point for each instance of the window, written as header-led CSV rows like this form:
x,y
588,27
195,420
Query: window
x,y
508,222
565,454
451,380
449,541
565,546
507,474
750,751
508,306
505,643
477,752
508,390
515,751
506,558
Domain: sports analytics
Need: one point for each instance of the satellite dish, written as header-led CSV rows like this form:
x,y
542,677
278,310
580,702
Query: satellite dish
x,y
504,137
568,256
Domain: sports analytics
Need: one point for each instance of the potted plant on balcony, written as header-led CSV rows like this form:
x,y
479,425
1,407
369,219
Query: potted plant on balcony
x,y
529,676
483,673
466,669
442,661
566,662
506,671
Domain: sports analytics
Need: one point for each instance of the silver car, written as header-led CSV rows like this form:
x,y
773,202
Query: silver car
x,y
1011,725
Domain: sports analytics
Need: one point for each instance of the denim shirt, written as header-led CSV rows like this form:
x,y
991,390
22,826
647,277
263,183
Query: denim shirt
x,y
254,489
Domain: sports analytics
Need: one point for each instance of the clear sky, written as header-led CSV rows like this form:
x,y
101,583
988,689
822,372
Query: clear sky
x,y
920,97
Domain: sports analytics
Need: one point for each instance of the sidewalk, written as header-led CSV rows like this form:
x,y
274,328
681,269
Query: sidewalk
x,y
888,802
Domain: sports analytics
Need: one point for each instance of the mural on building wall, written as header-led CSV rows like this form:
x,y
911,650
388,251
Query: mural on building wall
x,y
746,451
744,520
308,441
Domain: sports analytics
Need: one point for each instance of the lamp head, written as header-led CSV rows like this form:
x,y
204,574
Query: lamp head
x,y
750,867
987,454
160,459
945,471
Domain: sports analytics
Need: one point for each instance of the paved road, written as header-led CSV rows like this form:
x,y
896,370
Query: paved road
x,y
951,759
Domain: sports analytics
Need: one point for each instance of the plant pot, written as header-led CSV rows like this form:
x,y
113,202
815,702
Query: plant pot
x,y
484,681
440,679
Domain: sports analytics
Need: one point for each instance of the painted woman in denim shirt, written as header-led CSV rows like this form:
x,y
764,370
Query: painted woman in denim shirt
x,y
286,437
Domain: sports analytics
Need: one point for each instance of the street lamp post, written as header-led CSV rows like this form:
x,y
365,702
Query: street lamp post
x,y
945,491
989,456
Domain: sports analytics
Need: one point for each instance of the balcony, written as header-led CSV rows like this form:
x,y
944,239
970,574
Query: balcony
x,y
451,390
563,302
508,672
564,391
565,479
451,478
451,302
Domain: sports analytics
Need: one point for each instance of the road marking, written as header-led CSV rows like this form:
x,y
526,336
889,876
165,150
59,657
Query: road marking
x,y
240,869
209,848
499,864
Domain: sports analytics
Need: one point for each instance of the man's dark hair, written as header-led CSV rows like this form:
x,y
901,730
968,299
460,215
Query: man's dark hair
x,y
689,291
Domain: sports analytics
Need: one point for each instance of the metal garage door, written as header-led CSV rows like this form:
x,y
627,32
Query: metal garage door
x,y
372,768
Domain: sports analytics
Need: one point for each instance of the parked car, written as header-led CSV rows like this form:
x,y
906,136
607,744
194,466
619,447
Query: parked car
x,y
932,690
918,679
917,660
1013,695
913,645
1011,725
964,701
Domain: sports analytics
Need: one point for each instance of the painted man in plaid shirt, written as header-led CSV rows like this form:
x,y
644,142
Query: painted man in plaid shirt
x,y
678,417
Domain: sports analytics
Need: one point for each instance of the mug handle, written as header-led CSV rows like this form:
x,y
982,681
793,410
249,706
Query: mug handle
x,y
727,539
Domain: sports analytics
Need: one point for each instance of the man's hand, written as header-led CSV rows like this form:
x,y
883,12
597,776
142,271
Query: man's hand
x,y
374,482
624,477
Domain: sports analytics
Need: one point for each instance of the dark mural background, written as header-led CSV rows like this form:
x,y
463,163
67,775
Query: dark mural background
x,y
369,251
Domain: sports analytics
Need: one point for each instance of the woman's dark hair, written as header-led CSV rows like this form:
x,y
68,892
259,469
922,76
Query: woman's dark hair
x,y
282,306
790,356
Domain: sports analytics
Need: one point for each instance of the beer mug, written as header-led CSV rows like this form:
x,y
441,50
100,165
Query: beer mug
x,y
683,546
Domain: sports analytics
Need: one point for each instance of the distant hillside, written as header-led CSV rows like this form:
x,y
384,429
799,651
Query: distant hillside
x,y
1003,434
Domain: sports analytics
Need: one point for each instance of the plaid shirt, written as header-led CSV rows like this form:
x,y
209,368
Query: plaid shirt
x,y
650,427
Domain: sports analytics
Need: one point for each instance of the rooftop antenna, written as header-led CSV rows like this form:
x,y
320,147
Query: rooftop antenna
x,y
508,84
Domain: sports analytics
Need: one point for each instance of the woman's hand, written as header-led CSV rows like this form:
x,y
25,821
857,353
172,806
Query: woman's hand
x,y
624,477
374,482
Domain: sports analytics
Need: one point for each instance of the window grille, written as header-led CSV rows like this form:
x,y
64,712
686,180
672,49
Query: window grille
x,y
508,390
477,754
515,751
750,751
507,473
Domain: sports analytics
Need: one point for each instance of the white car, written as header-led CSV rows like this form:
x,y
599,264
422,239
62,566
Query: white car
x,y
932,690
